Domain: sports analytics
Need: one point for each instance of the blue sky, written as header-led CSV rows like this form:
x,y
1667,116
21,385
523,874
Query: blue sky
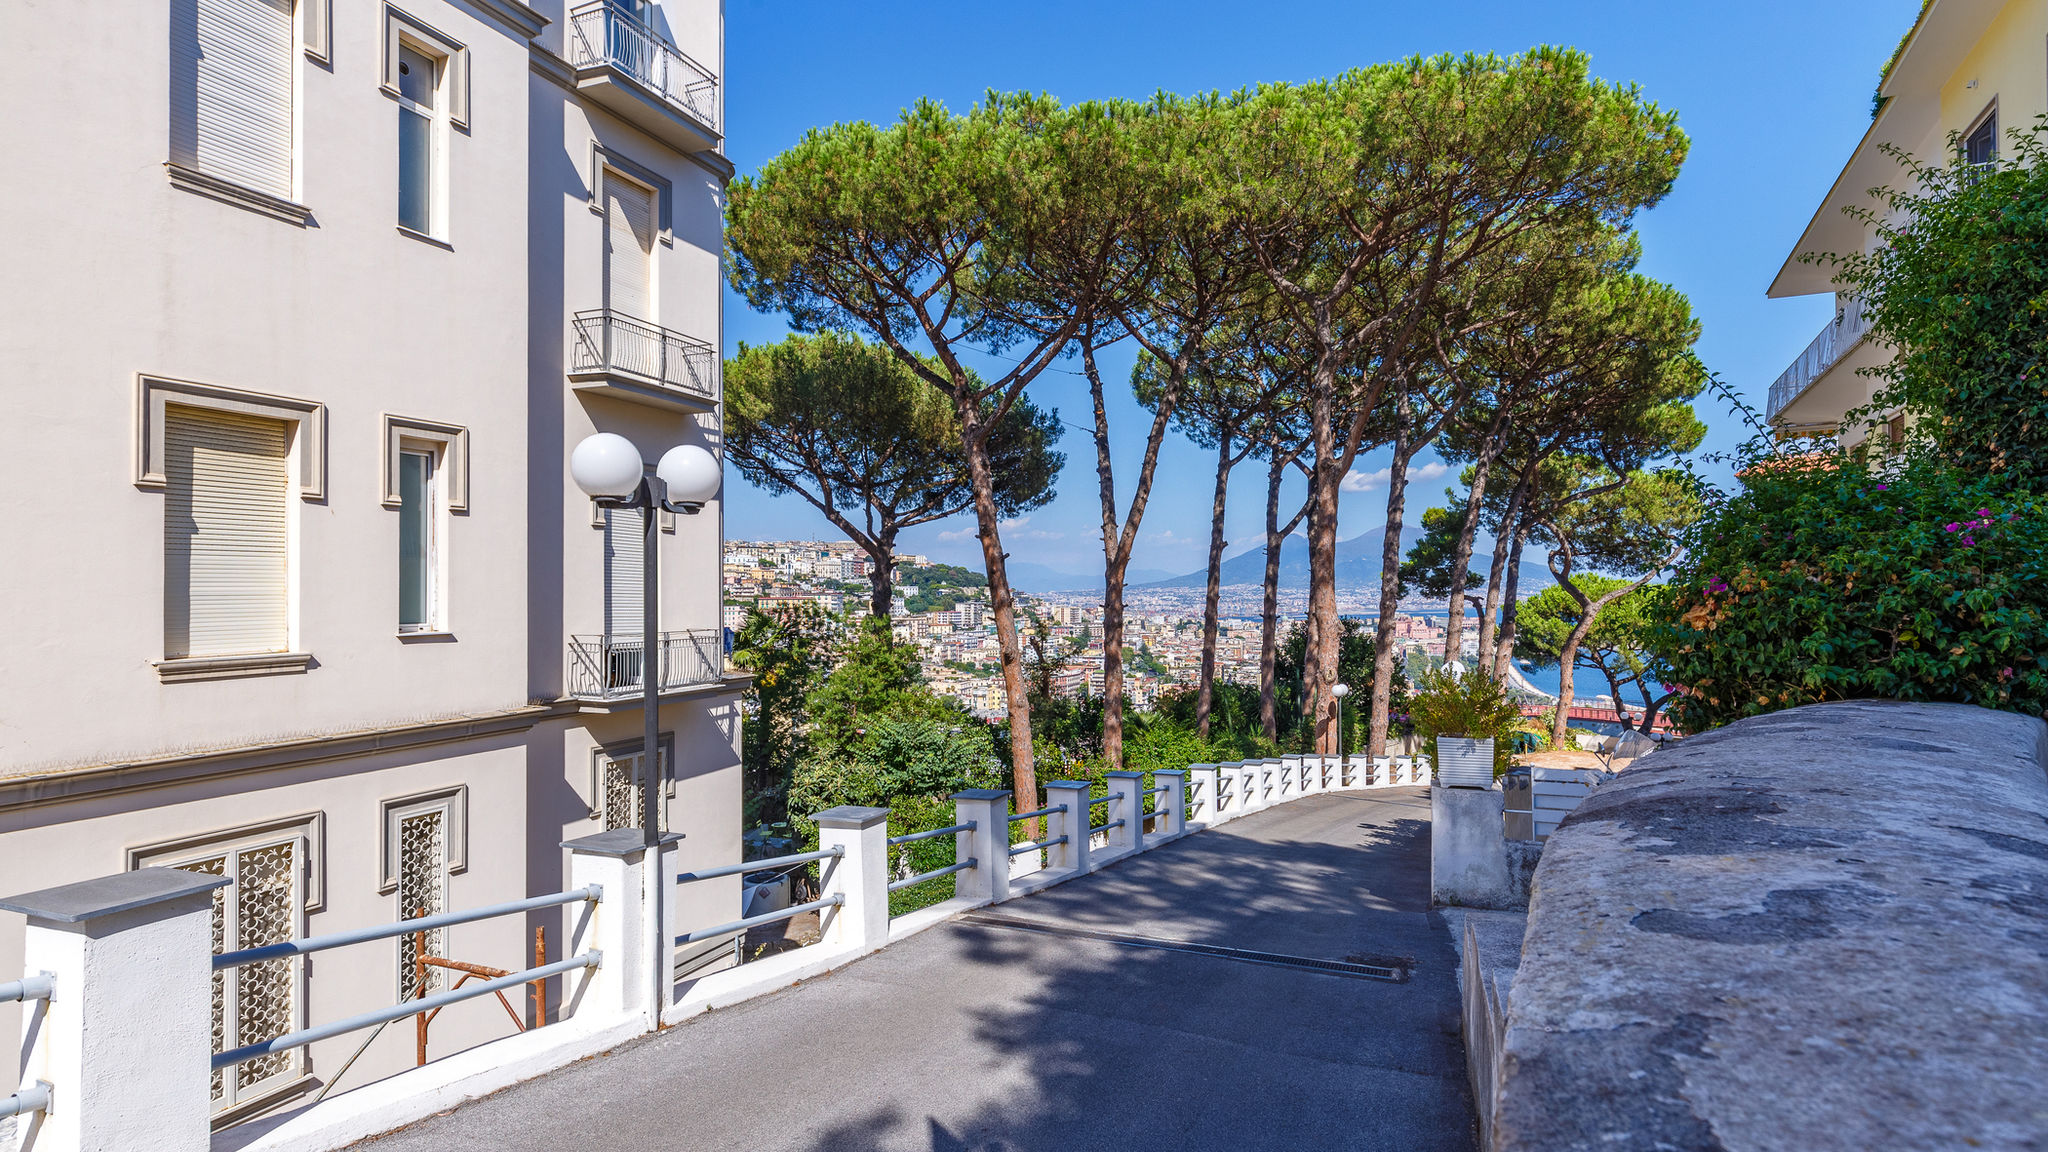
x,y
1774,95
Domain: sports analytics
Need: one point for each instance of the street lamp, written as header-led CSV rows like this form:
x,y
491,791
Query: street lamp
x,y
608,468
1340,691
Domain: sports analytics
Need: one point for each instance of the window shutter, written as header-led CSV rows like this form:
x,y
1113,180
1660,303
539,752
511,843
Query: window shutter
x,y
226,533
624,550
629,247
231,90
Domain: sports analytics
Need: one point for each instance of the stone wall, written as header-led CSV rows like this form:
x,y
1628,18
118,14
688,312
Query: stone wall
x,y
1822,929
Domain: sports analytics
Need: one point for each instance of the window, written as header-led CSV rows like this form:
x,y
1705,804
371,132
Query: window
x,y
231,92
625,549
227,519
266,904
1981,145
629,246
615,782
422,891
419,140
418,543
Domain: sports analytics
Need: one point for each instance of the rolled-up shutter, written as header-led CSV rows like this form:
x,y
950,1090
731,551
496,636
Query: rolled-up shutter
x,y
629,247
624,554
226,533
231,90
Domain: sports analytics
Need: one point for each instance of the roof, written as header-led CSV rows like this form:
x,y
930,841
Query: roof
x,y
1911,107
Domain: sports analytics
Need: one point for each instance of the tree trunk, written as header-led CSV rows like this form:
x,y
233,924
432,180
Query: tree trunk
x,y
1319,673
1390,579
1269,640
1504,640
1311,635
1489,633
882,573
1002,604
1461,558
1206,693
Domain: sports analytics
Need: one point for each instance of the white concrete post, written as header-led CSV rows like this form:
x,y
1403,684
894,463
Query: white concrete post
x,y
861,876
1173,803
1201,784
1244,778
620,925
125,1038
1130,835
1404,766
1424,770
1316,777
1072,824
1267,791
988,809
1287,780
1223,798
1382,771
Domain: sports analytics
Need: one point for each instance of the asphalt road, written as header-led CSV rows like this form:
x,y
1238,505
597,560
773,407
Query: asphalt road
x,y
998,1038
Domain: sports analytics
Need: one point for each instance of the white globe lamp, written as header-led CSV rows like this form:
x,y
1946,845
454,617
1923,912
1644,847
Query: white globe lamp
x,y
1341,691
606,464
691,474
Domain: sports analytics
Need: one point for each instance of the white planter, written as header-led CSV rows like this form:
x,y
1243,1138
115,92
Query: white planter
x,y
1463,763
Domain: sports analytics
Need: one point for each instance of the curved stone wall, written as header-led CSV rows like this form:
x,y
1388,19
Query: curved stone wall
x,y
1821,929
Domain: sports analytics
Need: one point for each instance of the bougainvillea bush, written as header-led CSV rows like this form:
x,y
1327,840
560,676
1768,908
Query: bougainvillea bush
x,y
1825,578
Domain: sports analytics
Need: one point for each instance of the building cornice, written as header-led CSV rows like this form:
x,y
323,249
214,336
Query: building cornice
x,y
513,16
57,785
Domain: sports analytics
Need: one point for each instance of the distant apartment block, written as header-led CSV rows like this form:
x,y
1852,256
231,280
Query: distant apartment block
x,y
1970,69
307,301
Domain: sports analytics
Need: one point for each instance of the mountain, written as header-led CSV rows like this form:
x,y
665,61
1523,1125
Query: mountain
x,y
1029,577
1358,564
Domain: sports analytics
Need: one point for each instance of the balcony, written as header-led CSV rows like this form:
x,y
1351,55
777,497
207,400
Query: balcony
x,y
607,669
645,362
1837,339
631,69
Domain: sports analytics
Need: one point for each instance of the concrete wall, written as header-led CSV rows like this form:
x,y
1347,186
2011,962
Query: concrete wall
x,y
1819,929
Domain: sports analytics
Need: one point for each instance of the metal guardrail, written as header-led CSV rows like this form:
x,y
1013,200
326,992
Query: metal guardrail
x,y
27,988
1835,340
1105,799
933,834
606,34
305,1036
934,874
832,853
1035,815
610,667
742,925
1106,827
32,1098
608,341
1162,790
401,928
1041,845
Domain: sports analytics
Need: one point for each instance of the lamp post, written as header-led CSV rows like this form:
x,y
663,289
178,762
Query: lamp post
x,y
1340,691
608,468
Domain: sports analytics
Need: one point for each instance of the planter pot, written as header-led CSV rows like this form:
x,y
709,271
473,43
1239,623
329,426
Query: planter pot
x,y
1463,763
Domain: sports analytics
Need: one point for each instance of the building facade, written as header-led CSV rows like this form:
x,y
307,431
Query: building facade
x,y
1969,71
307,303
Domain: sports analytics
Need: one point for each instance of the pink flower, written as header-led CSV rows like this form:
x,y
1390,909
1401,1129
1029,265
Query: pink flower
x,y
1952,528
1884,487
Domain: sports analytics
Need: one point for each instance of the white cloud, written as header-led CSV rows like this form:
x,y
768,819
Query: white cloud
x,y
1018,528
952,535
1356,481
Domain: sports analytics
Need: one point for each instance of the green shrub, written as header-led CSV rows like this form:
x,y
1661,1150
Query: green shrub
x,y
1822,579
1473,705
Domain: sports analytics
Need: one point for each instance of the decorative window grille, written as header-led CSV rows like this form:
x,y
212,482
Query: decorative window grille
x,y
618,786
255,1002
422,891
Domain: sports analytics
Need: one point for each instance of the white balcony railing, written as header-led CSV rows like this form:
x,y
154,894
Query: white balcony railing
x,y
605,34
614,343
610,667
1836,338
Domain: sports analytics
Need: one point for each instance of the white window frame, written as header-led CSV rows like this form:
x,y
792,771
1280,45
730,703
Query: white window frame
x,y
1989,116
434,548
307,832
451,105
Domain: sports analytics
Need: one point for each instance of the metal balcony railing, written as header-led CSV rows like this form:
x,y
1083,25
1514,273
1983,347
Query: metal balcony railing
x,y
1836,338
608,341
610,667
606,34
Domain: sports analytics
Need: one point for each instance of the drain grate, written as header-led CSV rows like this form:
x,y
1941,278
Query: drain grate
x,y
1389,971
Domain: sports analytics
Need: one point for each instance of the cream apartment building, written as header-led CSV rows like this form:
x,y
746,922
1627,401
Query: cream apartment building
x,y
306,303
1969,71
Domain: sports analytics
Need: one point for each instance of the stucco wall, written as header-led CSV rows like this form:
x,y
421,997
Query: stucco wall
x,y
1821,929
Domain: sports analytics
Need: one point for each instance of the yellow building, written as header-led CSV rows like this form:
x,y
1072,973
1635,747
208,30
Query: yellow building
x,y
1969,71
